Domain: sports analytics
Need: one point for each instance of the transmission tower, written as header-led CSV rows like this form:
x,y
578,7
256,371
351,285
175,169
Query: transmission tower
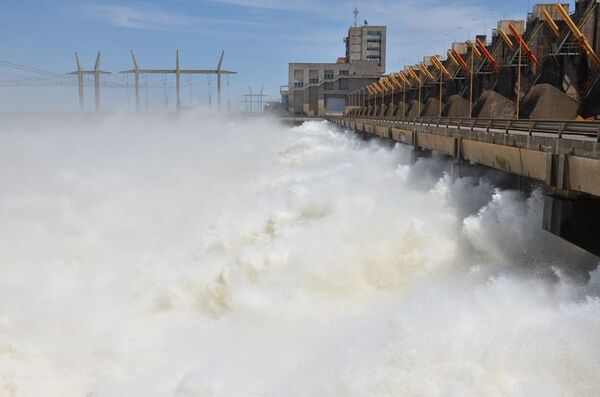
x,y
80,72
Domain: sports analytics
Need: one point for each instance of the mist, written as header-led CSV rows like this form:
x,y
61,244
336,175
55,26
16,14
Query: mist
x,y
205,256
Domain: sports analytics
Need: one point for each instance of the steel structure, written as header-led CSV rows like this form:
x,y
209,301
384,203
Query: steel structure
x,y
178,72
96,72
249,99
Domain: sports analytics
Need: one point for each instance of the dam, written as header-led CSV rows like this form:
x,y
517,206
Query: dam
x,y
169,228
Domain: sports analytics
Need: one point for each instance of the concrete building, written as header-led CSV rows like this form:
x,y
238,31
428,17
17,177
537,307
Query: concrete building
x,y
317,89
366,43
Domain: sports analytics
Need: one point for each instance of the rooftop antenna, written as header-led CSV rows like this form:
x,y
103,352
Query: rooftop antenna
x,y
355,13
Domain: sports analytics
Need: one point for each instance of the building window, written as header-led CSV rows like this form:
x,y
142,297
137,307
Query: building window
x,y
313,81
298,84
328,75
373,33
344,72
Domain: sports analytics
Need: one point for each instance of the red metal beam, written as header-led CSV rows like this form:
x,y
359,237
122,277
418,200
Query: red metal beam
x,y
524,47
461,61
486,53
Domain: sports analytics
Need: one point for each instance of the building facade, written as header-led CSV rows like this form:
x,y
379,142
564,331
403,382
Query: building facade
x,y
317,89
366,43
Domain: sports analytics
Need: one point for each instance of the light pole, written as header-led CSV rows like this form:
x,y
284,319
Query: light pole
x,y
404,101
472,71
466,30
381,111
391,106
471,85
518,105
441,87
441,77
420,85
484,25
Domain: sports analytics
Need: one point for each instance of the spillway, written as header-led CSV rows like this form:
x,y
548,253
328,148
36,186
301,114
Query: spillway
x,y
208,257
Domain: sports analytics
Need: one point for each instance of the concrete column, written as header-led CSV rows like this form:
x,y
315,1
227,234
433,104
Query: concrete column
x,y
575,219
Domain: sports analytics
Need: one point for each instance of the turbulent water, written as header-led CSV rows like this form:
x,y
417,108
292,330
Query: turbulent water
x,y
190,257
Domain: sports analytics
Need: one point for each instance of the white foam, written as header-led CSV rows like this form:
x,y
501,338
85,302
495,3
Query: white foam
x,y
198,257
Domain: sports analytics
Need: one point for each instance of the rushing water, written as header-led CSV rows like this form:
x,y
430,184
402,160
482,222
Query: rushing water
x,y
197,258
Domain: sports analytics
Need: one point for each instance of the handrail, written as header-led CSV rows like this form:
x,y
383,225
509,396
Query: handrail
x,y
530,127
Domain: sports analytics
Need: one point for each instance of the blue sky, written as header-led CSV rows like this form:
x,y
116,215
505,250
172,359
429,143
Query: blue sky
x,y
259,36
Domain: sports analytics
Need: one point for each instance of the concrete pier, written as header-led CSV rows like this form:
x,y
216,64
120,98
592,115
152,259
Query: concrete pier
x,y
492,105
544,102
575,219
457,107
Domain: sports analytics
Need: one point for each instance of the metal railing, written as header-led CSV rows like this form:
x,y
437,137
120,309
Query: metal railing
x,y
560,129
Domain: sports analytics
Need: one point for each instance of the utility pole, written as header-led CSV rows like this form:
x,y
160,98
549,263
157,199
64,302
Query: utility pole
x,y
251,100
96,72
404,101
219,81
136,69
441,86
471,85
178,72
80,82
178,82
420,85
375,104
260,100
97,82
361,98
518,84
392,102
